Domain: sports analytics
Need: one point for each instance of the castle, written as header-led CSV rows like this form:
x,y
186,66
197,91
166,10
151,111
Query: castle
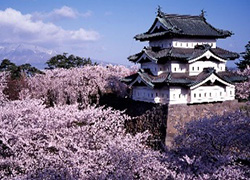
x,y
182,64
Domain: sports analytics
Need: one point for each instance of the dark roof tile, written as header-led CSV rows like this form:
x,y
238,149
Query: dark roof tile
x,y
182,53
183,26
183,78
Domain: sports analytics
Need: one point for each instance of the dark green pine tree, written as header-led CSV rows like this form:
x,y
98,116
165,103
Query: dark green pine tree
x,y
16,72
66,62
246,58
7,65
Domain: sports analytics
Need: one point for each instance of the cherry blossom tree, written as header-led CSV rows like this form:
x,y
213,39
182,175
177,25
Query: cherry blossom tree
x,y
83,85
215,146
3,84
243,89
67,143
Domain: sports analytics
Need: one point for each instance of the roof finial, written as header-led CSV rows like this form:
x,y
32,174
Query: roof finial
x,y
203,12
159,12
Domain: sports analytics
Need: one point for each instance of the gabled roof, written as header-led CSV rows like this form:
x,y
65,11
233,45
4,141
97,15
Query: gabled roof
x,y
182,79
174,25
184,54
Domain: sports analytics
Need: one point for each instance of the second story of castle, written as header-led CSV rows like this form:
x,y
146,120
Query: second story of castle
x,y
182,44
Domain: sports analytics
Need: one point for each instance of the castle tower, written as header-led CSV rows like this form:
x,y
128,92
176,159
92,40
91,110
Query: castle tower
x,y
182,64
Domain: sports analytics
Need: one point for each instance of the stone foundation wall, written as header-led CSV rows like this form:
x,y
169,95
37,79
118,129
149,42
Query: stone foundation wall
x,y
181,114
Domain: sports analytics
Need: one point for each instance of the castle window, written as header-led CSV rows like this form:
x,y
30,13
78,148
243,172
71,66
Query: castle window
x,y
181,44
194,95
210,94
192,68
156,94
220,93
179,95
187,44
152,95
198,68
205,94
200,95
230,92
175,69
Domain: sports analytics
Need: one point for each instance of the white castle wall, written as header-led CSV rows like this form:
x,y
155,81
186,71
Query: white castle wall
x,y
193,68
181,95
197,67
176,67
178,95
191,43
182,43
156,69
147,94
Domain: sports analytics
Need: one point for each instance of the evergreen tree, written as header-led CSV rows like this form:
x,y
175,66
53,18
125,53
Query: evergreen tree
x,y
17,71
246,58
66,62
7,65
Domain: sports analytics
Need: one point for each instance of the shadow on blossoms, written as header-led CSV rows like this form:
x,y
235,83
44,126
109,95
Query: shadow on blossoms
x,y
218,146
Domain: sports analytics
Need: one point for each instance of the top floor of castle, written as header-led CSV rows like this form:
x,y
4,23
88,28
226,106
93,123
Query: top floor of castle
x,y
181,31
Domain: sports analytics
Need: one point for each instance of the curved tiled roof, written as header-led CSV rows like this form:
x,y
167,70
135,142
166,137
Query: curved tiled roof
x,y
183,79
183,26
182,53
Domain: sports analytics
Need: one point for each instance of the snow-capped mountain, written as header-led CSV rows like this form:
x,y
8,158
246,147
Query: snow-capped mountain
x,y
26,53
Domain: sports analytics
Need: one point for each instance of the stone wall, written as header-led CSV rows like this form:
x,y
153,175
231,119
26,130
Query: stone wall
x,y
160,120
180,114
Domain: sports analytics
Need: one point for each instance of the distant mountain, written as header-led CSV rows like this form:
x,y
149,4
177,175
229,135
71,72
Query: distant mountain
x,y
34,55
26,53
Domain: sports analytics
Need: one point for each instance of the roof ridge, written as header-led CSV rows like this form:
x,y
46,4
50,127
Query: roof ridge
x,y
183,16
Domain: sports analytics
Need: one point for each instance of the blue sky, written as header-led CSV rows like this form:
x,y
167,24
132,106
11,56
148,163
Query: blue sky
x,y
104,30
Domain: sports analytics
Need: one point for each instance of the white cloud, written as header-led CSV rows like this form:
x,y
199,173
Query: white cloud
x,y
17,27
87,14
65,12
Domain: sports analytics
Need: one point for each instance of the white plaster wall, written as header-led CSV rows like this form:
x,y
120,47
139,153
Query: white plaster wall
x,y
165,43
147,94
193,68
230,92
211,94
178,95
156,69
176,67
143,94
191,43
197,67
182,43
